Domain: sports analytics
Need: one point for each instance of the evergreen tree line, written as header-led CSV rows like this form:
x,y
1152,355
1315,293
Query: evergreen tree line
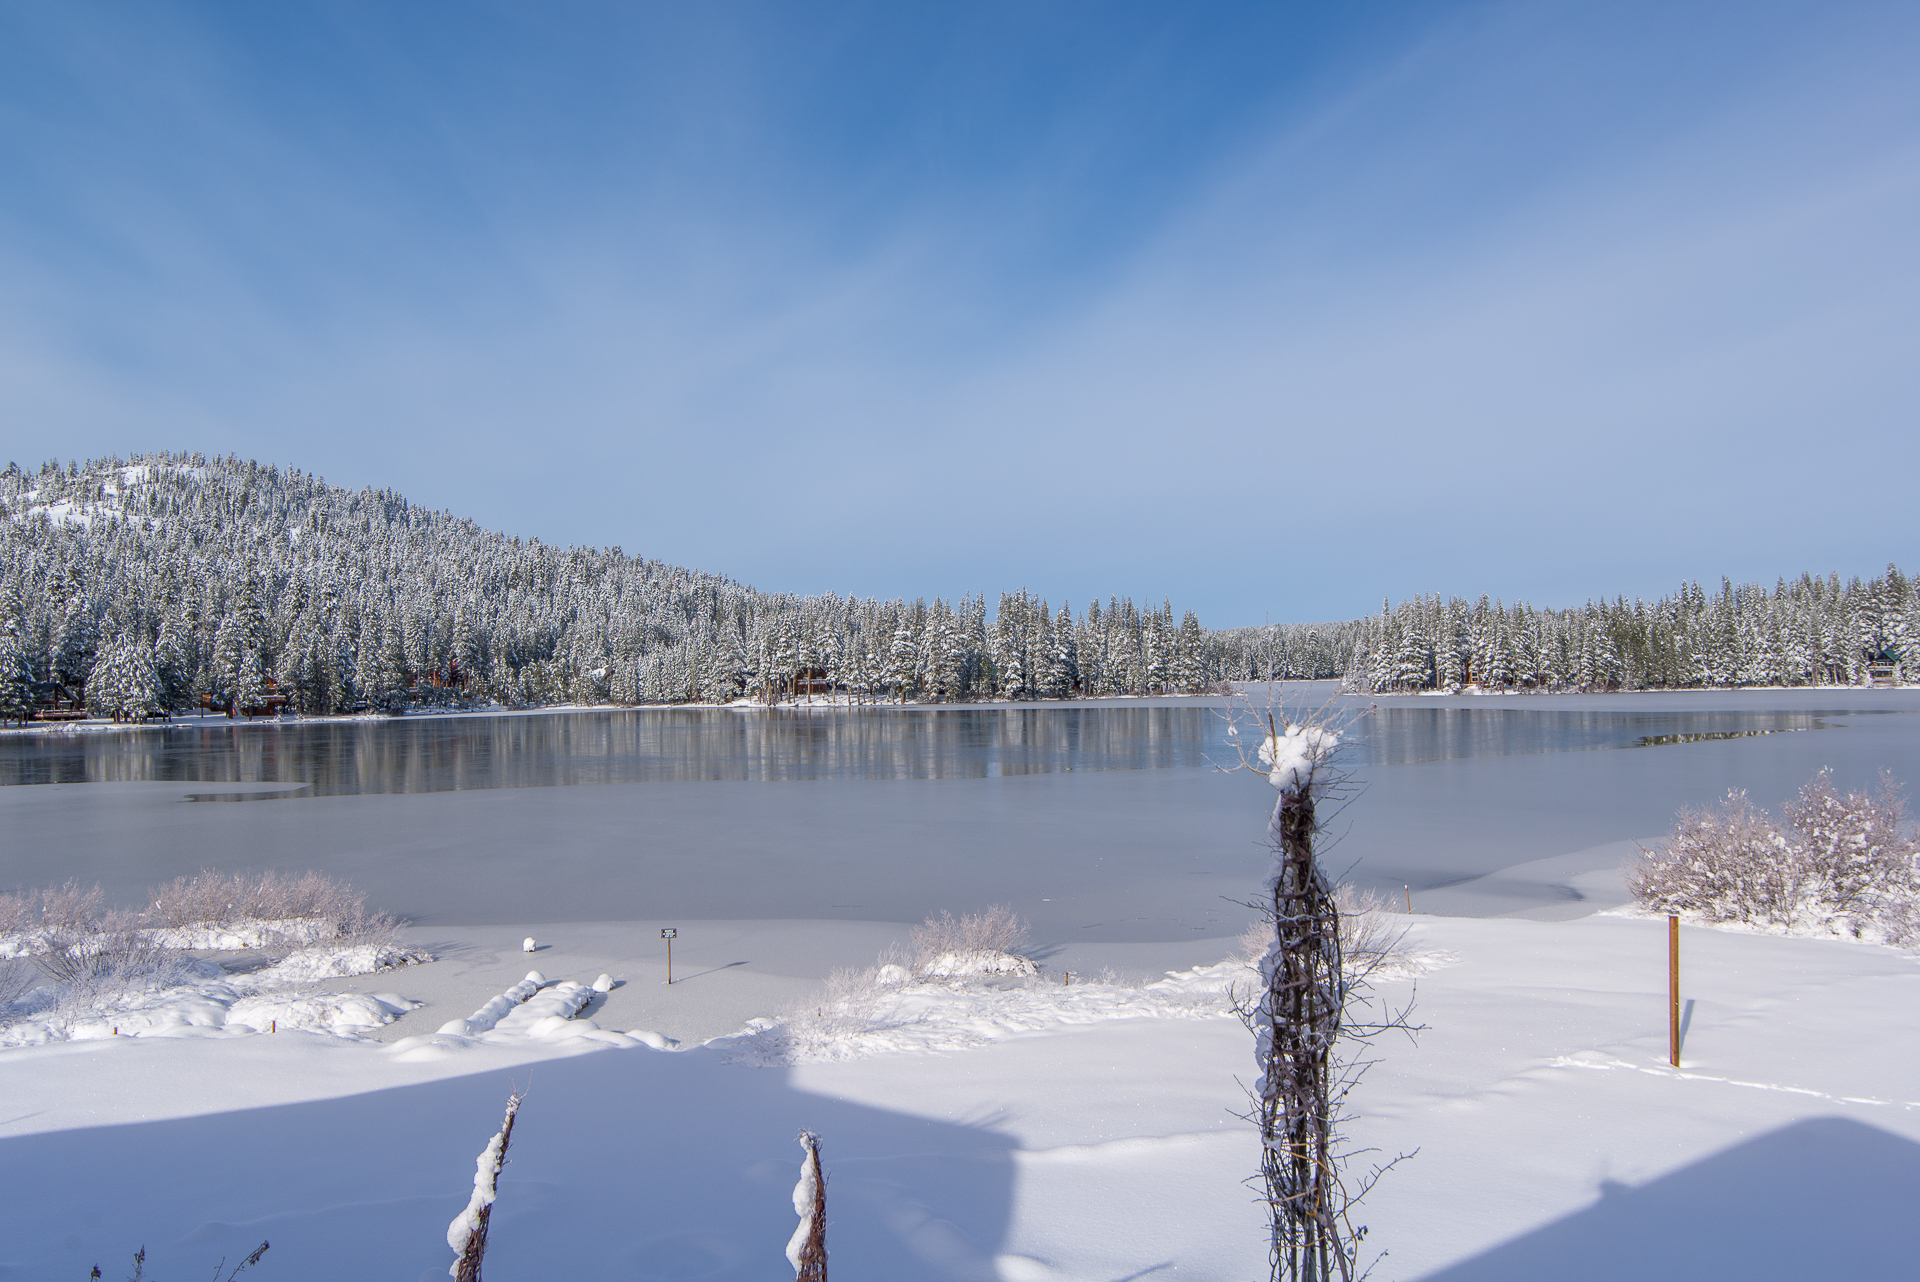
x,y
171,581
1809,632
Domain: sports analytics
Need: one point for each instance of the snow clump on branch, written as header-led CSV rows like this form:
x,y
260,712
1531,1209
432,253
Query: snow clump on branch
x,y
1293,757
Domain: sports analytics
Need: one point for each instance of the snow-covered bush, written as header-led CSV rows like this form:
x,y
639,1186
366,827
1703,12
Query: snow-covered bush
x,y
853,1004
217,912
79,958
29,918
1843,865
985,943
276,912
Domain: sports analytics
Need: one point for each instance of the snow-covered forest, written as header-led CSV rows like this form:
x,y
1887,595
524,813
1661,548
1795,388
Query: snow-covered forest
x,y
168,581
172,581
1811,631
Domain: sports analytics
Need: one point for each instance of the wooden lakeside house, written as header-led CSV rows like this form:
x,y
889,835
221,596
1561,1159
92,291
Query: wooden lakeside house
x,y
814,681
272,703
54,702
1885,666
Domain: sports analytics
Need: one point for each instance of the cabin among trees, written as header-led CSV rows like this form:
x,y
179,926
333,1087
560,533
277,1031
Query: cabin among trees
x,y
52,701
1884,665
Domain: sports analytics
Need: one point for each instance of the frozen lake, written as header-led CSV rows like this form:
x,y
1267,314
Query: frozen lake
x,y
1104,822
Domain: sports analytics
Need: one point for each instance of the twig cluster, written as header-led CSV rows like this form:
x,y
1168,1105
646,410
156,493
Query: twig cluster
x,y
247,1261
999,929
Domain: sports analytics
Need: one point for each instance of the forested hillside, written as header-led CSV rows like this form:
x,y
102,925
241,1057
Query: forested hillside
x,y
173,581
170,581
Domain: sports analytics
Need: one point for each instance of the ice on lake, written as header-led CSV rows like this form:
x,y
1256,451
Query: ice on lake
x,y
1109,822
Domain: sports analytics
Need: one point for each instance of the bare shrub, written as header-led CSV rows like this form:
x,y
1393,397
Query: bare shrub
x,y
1842,864
853,1002
997,930
67,908
18,977
107,958
30,920
324,909
95,955
16,913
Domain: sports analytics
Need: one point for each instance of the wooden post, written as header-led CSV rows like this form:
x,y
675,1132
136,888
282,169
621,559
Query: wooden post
x,y
668,935
1673,990
1409,890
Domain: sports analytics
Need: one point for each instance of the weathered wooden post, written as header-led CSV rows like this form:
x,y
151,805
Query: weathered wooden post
x,y
669,933
1673,990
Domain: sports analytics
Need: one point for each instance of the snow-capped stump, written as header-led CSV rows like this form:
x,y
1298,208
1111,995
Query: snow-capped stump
x,y
604,984
807,1248
467,1235
527,945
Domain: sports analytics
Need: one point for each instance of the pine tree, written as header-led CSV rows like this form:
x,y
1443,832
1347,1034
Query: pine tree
x,y
16,683
902,660
240,658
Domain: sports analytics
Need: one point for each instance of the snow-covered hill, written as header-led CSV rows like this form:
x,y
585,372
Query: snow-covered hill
x,y
158,582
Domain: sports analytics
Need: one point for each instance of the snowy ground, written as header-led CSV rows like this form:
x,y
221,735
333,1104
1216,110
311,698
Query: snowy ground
x,y
1554,1141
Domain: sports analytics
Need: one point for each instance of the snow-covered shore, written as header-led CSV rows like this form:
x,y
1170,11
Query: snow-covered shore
x,y
1554,1140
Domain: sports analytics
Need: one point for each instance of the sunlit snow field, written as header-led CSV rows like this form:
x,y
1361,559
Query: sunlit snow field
x,y
1082,1139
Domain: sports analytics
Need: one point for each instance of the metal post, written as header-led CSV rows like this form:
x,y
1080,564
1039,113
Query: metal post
x,y
1673,990
669,933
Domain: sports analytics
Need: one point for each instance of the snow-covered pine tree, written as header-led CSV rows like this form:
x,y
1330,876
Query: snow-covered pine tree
x,y
942,658
903,658
16,683
1011,654
1190,656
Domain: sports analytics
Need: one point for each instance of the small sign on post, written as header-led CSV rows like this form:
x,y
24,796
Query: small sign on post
x,y
669,933
1673,990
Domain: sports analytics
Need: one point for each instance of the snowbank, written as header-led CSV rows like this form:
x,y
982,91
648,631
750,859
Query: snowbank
x,y
886,1011
531,1012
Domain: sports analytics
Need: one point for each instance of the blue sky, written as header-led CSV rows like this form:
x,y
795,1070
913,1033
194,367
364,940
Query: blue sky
x,y
1273,309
